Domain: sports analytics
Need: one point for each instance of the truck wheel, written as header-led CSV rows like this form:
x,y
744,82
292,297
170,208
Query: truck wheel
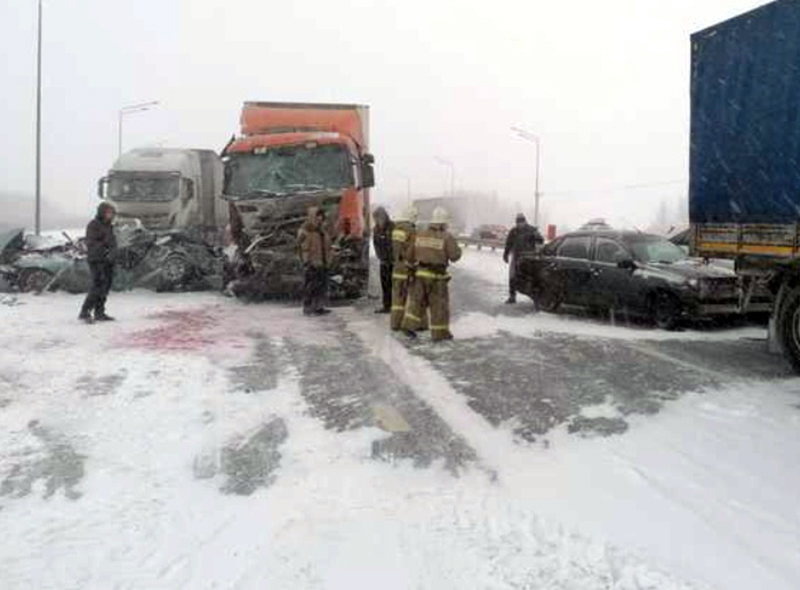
x,y
34,280
666,310
789,328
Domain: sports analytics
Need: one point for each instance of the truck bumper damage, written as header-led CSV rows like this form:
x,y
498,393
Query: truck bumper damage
x,y
265,261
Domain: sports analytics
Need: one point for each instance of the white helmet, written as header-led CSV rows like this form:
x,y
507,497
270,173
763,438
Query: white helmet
x,y
440,216
409,215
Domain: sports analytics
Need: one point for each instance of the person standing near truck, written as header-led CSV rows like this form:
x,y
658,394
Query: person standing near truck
x,y
382,241
432,251
523,238
315,253
402,240
101,245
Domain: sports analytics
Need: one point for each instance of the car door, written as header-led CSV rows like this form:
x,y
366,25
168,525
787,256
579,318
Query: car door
x,y
612,287
574,268
536,269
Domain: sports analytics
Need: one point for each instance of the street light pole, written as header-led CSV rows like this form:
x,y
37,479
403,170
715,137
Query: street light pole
x,y
128,110
38,218
449,164
528,136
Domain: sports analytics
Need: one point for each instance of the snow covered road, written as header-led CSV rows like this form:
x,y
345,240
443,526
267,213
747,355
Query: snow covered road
x,y
203,443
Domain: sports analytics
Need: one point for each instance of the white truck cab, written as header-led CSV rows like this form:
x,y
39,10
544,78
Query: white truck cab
x,y
168,189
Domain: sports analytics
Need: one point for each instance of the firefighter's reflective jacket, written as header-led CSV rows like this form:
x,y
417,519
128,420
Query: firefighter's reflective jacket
x,y
403,236
433,249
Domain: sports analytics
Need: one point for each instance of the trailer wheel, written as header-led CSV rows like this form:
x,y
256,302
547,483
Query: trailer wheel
x,y
789,328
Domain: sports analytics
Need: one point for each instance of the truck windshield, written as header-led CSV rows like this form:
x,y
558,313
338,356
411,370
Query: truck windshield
x,y
656,251
143,188
286,170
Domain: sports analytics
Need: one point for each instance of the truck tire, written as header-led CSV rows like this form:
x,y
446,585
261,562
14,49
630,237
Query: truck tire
x,y
788,328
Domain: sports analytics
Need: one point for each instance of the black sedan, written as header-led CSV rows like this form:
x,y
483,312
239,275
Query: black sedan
x,y
634,273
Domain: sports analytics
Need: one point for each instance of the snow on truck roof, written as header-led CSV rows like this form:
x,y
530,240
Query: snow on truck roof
x,y
157,160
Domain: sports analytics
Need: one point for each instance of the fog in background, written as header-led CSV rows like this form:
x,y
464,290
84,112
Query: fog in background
x,y
604,84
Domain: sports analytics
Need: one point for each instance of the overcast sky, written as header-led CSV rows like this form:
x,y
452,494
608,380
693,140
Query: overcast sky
x,y
604,84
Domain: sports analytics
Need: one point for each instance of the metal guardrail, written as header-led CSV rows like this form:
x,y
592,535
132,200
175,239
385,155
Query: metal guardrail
x,y
480,244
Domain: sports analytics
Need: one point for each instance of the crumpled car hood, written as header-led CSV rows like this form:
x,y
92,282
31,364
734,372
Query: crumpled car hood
x,y
694,268
11,242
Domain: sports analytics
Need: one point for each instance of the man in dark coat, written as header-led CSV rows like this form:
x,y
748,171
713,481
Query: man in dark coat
x,y
101,245
382,240
523,238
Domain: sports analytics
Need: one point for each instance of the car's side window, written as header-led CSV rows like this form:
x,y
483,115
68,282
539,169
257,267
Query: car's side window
x,y
609,251
577,247
551,248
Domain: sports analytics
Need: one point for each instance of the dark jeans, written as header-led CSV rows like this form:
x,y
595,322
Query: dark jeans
x,y
315,288
512,277
386,285
102,277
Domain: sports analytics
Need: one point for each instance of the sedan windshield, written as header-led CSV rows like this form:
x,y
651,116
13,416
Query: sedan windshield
x,y
656,251
143,188
287,170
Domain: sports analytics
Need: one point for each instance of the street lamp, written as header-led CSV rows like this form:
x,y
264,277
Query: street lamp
x,y
528,136
38,218
449,164
129,110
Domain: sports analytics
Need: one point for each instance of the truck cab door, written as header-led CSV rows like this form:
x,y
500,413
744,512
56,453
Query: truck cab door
x,y
185,212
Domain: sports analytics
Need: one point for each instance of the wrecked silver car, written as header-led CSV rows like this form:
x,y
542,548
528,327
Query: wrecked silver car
x,y
163,261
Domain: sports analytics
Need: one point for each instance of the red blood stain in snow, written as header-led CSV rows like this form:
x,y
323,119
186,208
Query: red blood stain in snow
x,y
182,330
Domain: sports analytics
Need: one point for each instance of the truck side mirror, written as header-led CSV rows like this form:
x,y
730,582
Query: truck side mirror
x,y
367,175
101,187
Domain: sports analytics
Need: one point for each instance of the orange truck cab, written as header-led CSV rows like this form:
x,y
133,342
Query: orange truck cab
x,y
287,158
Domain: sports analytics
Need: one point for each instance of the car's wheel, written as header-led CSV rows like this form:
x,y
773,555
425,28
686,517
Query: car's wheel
x,y
549,299
666,310
788,328
34,280
175,268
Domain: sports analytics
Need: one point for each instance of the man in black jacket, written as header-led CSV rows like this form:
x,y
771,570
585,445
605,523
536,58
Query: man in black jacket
x,y
521,239
101,245
382,240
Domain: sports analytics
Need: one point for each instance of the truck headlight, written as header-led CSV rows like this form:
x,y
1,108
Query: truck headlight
x,y
693,283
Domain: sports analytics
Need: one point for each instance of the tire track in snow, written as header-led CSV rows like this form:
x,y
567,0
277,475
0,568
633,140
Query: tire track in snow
x,y
491,444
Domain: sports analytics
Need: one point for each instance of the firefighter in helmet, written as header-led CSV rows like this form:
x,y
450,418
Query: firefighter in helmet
x,y
432,251
403,235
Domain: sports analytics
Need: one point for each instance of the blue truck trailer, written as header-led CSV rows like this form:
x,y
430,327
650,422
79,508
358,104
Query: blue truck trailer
x,y
744,193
